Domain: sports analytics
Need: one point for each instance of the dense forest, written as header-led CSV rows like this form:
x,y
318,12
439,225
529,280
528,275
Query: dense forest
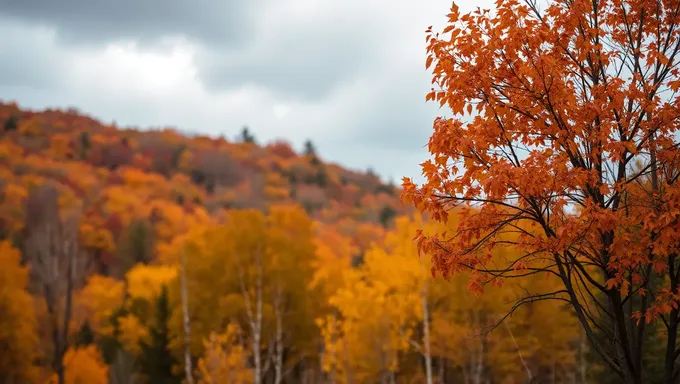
x,y
134,256
541,247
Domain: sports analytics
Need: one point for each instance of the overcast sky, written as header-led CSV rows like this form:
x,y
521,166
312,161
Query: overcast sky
x,y
348,74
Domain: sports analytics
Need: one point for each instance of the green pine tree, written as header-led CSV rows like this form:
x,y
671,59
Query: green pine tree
x,y
387,213
155,361
246,136
310,150
85,335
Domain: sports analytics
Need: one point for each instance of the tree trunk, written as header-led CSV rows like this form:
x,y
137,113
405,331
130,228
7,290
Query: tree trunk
x,y
256,326
187,324
519,353
278,361
477,362
51,247
348,369
254,318
442,362
426,335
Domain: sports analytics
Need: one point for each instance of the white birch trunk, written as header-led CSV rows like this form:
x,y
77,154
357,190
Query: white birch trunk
x,y
254,318
426,335
519,353
185,315
278,359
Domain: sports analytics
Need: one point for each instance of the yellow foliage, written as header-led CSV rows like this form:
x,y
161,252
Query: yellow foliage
x,y
333,255
144,285
123,202
60,146
138,179
276,193
225,358
175,220
380,313
132,331
96,237
11,208
18,336
97,302
146,282
31,127
83,366
10,151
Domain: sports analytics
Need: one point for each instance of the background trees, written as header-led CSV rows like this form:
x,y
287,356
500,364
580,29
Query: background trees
x,y
18,321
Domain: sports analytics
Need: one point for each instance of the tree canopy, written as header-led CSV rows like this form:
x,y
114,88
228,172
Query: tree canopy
x,y
563,145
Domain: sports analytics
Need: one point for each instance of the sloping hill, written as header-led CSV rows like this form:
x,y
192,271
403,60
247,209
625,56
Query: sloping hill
x,y
127,181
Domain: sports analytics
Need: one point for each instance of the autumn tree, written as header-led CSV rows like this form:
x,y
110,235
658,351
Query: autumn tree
x,y
84,365
17,319
291,255
213,168
565,132
155,360
57,263
225,358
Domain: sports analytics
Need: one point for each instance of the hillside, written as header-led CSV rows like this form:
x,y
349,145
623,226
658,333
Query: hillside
x,y
137,256
135,177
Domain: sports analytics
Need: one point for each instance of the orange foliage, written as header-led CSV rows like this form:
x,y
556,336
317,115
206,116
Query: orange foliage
x,y
563,144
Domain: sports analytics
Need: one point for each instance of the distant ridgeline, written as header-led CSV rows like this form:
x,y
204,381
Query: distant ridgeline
x,y
139,174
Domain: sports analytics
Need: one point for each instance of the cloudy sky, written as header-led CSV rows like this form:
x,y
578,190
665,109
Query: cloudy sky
x,y
348,74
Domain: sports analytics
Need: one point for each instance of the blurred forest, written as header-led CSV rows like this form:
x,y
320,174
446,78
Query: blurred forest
x,y
148,256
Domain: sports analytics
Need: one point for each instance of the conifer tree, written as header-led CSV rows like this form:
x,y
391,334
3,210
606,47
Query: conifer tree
x,y
156,362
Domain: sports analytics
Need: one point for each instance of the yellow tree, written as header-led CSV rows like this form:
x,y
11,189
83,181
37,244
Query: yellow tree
x,y
377,307
366,338
255,270
84,365
97,302
17,320
144,284
225,358
520,349
397,265
291,253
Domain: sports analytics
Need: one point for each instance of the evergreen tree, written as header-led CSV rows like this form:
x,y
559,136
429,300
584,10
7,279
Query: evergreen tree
x,y
12,123
309,148
136,246
246,136
155,361
387,213
85,335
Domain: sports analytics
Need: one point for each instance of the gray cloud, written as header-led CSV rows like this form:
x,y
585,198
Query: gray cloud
x,y
304,64
218,22
352,72
400,119
305,57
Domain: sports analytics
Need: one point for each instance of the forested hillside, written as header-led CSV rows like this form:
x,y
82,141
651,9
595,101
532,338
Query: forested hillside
x,y
134,256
